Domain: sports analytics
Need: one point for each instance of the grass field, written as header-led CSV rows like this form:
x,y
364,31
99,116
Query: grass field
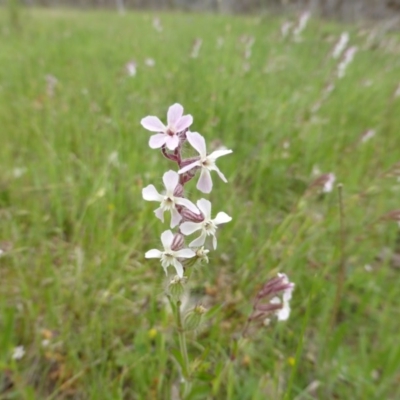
x,y
75,289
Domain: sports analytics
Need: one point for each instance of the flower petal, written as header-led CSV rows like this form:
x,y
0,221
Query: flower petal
x,y
199,241
171,180
197,142
221,175
283,313
159,212
204,183
157,141
186,203
188,227
214,241
153,124
172,142
222,218
175,217
150,193
184,123
184,253
205,207
178,267
166,239
154,253
174,114
189,167
219,153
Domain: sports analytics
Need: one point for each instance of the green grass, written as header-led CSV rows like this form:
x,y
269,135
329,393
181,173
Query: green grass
x,y
74,227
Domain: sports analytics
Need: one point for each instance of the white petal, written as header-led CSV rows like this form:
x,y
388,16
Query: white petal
x,y
204,183
159,212
178,268
214,242
154,253
157,141
172,142
189,167
150,193
186,203
184,123
153,124
221,175
283,313
188,227
166,239
174,114
197,142
219,153
175,217
205,207
199,241
222,218
171,180
184,253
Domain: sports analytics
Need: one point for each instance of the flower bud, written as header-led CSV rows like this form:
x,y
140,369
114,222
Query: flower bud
x,y
176,287
194,318
188,215
178,242
178,191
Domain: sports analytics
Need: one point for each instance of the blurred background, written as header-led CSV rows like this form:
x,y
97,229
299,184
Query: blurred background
x,y
343,9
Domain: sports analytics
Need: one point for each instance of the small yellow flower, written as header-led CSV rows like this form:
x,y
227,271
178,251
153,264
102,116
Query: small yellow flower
x,y
152,333
291,361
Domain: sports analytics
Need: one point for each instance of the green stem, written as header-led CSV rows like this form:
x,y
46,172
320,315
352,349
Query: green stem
x,y
183,350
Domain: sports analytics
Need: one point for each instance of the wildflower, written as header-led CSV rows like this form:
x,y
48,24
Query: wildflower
x,y
170,199
130,68
208,226
149,62
277,292
347,59
206,163
171,254
367,135
340,45
167,135
302,23
18,353
324,181
196,47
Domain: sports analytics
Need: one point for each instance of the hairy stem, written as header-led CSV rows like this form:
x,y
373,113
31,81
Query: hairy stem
x,y
183,349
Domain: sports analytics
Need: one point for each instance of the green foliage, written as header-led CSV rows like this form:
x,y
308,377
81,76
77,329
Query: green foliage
x,y
75,289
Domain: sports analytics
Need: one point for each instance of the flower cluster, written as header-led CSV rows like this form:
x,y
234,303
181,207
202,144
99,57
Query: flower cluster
x,y
186,217
272,299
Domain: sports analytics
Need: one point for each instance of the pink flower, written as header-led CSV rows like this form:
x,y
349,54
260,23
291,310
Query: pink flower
x,y
208,226
167,135
170,254
170,199
205,162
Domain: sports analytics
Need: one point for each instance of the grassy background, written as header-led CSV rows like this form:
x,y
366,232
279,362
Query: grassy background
x,y
74,227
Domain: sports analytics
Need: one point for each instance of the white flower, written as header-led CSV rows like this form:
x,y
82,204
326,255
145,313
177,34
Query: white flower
x,y
167,135
205,162
328,185
168,256
284,312
168,200
18,353
208,227
340,45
